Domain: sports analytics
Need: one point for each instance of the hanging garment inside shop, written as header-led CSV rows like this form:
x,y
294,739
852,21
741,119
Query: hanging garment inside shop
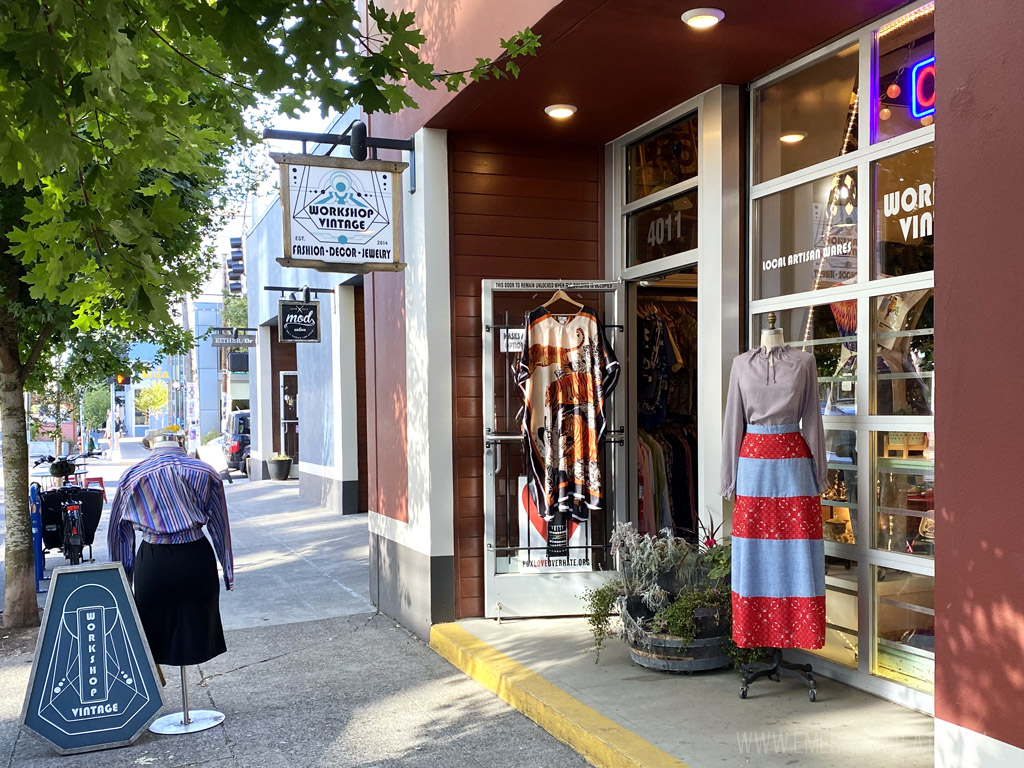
x,y
566,373
666,414
774,463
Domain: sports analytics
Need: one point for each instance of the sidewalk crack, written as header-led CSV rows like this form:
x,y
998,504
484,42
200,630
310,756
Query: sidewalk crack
x,y
206,678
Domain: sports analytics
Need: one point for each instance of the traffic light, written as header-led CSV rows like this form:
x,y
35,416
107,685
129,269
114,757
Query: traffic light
x,y
236,266
120,379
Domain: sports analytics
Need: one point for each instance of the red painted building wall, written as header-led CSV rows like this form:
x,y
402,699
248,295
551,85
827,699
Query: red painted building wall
x,y
386,444
979,288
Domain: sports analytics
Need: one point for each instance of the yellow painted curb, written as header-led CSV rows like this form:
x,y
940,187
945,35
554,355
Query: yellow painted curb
x,y
599,739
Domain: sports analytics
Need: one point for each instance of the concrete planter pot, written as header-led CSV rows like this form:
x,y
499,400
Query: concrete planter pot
x,y
279,468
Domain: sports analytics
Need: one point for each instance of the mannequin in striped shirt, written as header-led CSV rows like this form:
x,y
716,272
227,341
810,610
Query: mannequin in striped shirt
x,y
169,497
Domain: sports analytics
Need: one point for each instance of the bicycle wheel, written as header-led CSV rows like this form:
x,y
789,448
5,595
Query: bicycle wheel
x,y
75,554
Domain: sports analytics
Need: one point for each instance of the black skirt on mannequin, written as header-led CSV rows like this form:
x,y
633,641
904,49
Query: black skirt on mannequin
x,y
177,592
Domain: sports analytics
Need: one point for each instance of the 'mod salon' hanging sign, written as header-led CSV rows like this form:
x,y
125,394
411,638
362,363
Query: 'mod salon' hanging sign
x,y
338,210
298,321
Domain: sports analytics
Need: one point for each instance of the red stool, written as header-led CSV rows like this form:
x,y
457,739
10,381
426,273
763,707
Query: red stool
x,y
96,481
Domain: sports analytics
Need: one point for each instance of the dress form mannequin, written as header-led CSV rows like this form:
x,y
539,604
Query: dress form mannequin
x,y
772,336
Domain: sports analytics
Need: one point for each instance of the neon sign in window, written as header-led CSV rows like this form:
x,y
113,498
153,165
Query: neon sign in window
x,y
923,76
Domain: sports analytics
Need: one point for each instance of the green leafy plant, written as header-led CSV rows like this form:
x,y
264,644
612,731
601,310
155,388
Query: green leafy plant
x,y
701,579
602,605
210,436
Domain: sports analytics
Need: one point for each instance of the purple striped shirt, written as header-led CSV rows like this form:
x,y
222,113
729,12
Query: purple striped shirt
x,y
169,497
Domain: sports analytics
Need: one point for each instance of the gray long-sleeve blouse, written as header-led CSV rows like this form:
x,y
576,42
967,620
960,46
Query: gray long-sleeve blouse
x,y
772,387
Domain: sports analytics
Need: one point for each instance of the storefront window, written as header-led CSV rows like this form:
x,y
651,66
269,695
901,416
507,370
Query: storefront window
x,y
904,198
807,237
839,497
905,348
905,620
841,590
809,116
906,74
827,331
662,159
905,492
662,230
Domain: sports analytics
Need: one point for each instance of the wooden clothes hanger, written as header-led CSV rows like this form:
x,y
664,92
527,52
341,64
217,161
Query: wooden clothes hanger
x,y
560,295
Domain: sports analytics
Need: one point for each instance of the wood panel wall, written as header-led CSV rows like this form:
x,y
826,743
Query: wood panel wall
x,y
282,358
519,210
360,331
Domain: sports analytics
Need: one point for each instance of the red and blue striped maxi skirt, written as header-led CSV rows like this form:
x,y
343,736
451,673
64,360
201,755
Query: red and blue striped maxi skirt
x,y
778,556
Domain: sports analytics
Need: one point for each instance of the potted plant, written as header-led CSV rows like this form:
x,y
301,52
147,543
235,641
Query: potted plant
x,y
672,605
279,466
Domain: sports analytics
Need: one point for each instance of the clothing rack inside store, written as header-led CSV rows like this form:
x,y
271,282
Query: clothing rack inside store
x,y
667,297
517,326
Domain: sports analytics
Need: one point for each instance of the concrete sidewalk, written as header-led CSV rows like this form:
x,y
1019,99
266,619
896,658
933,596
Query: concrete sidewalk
x,y
618,714
312,676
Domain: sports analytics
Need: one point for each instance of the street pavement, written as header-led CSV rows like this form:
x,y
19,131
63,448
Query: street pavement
x,y
313,675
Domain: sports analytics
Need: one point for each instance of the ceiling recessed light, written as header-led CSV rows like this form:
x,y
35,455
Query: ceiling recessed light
x,y
792,137
560,111
702,18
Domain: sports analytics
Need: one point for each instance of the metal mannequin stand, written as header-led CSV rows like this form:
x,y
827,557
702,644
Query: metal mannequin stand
x,y
186,721
773,670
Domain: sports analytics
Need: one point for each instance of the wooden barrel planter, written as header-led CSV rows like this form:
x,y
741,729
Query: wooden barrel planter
x,y
668,653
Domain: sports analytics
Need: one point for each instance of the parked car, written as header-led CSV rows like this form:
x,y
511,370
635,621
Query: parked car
x,y
236,440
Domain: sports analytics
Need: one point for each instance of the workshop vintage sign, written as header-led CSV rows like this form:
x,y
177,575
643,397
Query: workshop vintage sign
x,y
298,321
93,683
338,210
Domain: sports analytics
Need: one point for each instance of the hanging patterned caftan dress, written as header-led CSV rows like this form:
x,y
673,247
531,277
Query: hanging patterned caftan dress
x,y
774,463
566,372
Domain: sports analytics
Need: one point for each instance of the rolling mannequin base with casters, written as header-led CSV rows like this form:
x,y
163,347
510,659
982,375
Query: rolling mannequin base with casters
x,y
186,721
773,670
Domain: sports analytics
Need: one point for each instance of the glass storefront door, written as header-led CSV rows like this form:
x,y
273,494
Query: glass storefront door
x,y
536,565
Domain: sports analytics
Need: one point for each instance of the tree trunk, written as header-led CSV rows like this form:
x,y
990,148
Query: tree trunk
x,y
20,606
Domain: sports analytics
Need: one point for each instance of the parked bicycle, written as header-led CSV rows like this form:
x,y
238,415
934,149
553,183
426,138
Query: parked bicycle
x,y
70,513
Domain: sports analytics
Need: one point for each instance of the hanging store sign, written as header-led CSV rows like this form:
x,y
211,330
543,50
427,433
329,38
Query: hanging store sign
x,y
340,211
93,683
230,340
533,540
298,321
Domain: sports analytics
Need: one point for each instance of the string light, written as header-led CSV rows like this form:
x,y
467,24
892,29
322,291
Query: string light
x,y
828,227
910,18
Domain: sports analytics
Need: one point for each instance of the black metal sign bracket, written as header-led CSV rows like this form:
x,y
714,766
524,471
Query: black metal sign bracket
x,y
356,139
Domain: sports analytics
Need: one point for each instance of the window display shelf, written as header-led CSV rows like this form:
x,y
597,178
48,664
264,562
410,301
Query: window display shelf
x,y
904,466
840,464
822,342
896,645
906,606
905,334
929,513
895,376
838,503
